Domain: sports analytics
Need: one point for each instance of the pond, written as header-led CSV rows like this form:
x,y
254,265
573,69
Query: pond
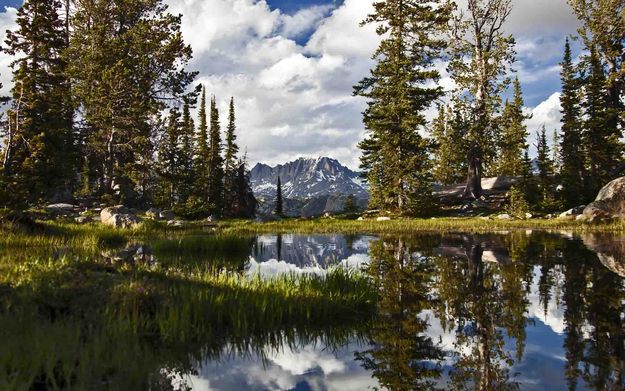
x,y
510,310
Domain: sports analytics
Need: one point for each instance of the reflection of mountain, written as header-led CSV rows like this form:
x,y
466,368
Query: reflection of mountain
x,y
308,250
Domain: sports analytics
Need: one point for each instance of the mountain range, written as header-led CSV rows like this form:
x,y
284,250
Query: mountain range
x,y
310,187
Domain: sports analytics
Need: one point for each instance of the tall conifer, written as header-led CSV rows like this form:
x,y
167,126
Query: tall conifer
x,y
279,202
395,155
513,135
603,145
572,149
43,157
215,163
231,163
202,152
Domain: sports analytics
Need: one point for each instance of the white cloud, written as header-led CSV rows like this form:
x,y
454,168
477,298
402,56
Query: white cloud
x,y
7,22
547,113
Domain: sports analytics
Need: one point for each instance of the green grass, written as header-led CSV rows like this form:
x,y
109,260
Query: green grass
x,y
406,226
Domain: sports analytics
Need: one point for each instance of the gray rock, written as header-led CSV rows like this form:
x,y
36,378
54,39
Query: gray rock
x,y
119,217
167,215
83,219
609,204
573,212
153,214
383,219
176,223
61,209
133,254
504,216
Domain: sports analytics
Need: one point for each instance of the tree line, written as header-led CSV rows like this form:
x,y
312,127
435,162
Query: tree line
x,y
92,80
478,132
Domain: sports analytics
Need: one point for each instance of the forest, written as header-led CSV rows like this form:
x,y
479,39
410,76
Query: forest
x,y
102,101
480,129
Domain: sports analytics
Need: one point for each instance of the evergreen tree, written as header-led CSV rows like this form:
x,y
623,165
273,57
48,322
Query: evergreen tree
x,y
513,135
481,55
231,164
350,204
244,204
603,145
42,158
603,32
202,153
279,207
572,149
128,61
547,201
168,156
186,172
215,163
556,153
449,161
396,157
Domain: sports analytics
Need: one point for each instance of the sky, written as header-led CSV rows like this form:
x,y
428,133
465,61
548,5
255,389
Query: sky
x,y
291,65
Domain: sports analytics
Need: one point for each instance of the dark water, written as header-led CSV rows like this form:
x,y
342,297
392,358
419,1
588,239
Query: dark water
x,y
520,310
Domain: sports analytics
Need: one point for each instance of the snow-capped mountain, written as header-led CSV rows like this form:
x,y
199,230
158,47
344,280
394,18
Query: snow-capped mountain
x,y
307,178
310,187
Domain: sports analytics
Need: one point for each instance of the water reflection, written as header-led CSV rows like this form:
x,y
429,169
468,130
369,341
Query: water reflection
x,y
518,310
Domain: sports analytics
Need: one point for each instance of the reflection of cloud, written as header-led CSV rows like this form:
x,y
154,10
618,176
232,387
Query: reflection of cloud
x,y
309,367
554,318
274,268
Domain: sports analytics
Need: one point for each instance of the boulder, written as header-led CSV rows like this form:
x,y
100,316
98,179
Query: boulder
x,y
609,204
167,215
504,216
573,212
131,254
61,209
153,214
83,219
383,219
176,223
119,217
503,183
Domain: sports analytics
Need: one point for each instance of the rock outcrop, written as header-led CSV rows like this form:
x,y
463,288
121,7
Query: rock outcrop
x,y
609,204
119,217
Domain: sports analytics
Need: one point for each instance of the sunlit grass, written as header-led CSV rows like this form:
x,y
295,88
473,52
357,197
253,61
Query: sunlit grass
x,y
405,226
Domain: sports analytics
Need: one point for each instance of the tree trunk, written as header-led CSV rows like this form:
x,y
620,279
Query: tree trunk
x,y
473,188
8,153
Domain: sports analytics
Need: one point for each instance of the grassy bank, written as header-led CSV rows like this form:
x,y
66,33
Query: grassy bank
x,y
407,226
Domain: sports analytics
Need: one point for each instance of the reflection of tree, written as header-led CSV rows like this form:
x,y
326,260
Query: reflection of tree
x,y
402,356
480,300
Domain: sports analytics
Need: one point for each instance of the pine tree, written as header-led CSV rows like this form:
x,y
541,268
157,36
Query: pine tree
x,y
215,163
186,173
603,32
513,135
244,204
43,159
128,60
279,207
547,201
449,161
396,158
168,161
556,153
231,165
350,204
478,36
202,153
572,150
603,145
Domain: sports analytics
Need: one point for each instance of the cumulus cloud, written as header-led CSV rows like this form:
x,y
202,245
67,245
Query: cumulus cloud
x,y
7,22
546,114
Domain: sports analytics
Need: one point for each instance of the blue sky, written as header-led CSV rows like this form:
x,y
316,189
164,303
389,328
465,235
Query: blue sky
x,y
291,65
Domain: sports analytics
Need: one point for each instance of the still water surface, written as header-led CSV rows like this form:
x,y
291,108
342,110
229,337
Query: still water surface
x,y
516,310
